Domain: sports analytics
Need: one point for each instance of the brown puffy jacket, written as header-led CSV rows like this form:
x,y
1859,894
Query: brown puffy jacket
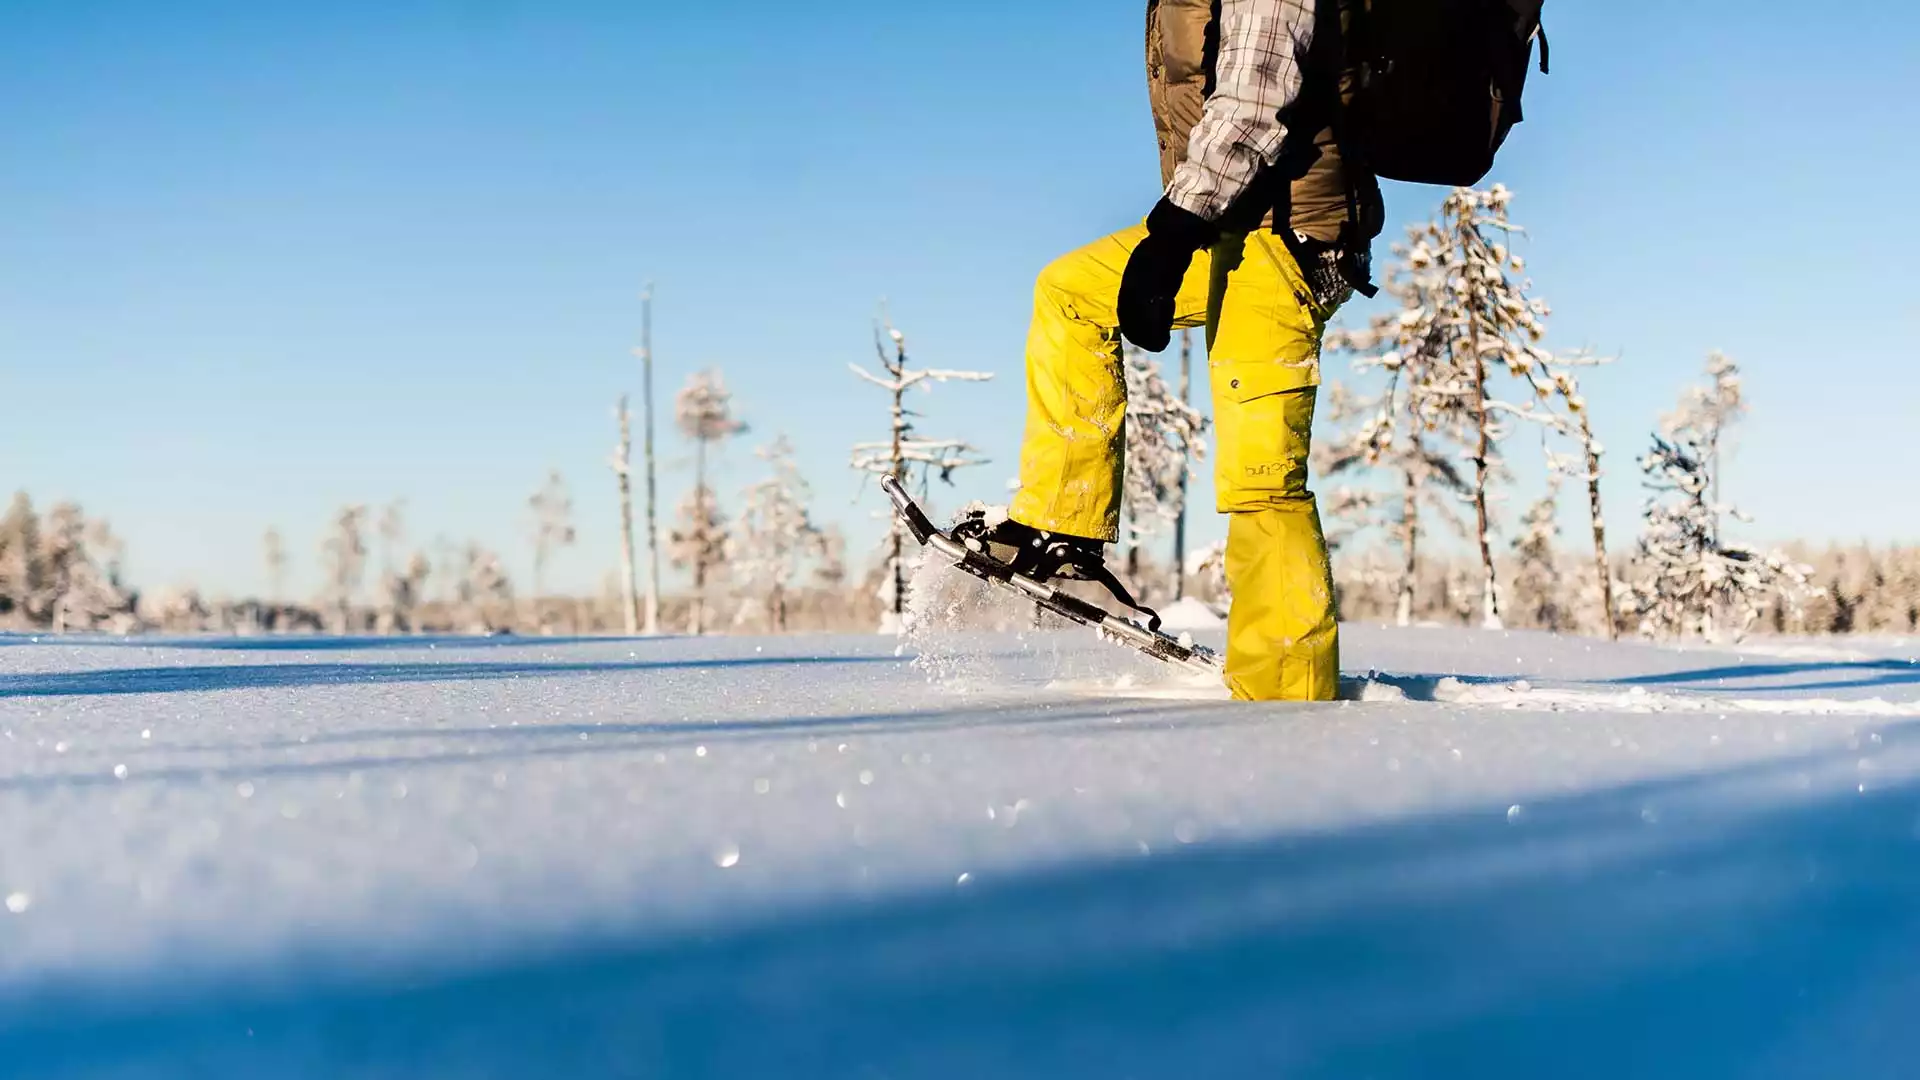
x,y
1310,182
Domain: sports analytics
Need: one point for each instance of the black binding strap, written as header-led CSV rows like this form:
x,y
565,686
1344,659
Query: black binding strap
x,y
1105,577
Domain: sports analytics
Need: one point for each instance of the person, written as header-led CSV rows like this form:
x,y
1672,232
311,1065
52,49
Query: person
x,y
1262,232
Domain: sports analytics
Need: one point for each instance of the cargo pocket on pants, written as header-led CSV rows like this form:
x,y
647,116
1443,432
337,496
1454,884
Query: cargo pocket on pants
x,y
1263,420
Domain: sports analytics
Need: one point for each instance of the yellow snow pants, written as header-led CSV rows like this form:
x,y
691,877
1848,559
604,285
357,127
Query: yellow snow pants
x,y
1263,343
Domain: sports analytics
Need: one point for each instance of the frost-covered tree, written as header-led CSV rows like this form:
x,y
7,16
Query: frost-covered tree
x,y
906,453
1691,580
698,543
551,509
1536,577
1576,423
1465,323
1163,437
1485,320
1427,483
64,571
22,573
484,596
343,555
775,539
1890,592
704,413
1707,413
175,609
396,609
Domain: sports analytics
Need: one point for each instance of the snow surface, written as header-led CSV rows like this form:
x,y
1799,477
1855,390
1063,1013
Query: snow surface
x,y
1019,855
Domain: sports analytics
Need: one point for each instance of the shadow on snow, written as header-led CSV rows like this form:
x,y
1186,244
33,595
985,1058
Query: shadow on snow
x,y
159,680
1872,673
373,750
1739,936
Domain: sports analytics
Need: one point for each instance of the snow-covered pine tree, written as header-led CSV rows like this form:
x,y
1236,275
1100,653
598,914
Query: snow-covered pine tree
x,y
22,571
1577,424
1388,433
905,453
1163,438
81,575
703,411
776,537
1346,511
1419,425
1486,320
175,609
1536,577
1893,607
1464,318
343,554
698,543
1707,412
1691,580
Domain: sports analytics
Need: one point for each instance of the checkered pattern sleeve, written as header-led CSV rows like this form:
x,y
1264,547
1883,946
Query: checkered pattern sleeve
x,y
1263,49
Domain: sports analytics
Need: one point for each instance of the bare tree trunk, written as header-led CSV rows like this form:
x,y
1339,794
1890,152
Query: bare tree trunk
x,y
1180,519
1713,479
652,618
1409,542
1482,466
897,538
1600,565
622,468
696,617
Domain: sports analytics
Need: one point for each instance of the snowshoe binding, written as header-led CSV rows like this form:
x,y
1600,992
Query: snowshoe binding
x,y
1024,560
1044,556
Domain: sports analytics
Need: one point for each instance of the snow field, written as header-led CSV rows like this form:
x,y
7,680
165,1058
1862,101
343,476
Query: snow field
x,y
1020,853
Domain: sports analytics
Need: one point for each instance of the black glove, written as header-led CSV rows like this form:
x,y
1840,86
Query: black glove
x,y
1154,271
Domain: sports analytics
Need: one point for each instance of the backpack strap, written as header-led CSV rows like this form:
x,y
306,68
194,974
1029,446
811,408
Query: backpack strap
x,y
1348,23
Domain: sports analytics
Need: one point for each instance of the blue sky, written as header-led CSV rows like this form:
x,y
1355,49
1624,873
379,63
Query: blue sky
x,y
260,260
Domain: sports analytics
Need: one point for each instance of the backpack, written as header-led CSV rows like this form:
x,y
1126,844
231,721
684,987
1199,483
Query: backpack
x,y
1436,84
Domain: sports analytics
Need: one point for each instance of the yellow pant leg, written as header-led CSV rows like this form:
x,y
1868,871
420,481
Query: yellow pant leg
x,y
1263,337
1282,641
1072,452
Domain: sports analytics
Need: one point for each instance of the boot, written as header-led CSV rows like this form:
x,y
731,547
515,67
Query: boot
x,y
1043,556
1032,552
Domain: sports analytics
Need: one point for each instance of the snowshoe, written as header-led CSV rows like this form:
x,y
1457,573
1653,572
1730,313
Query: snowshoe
x,y
1023,560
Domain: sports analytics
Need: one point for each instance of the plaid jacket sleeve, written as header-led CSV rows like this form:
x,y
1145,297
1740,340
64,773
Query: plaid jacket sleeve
x,y
1263,48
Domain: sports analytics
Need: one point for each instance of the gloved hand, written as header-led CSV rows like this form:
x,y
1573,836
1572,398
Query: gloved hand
x,y
1154,271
